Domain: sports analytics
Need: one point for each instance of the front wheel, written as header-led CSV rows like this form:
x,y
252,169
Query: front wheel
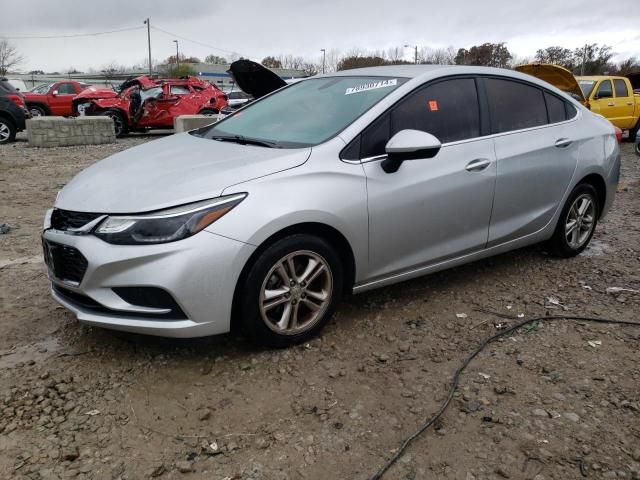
x,y
209,112
37,111
577,222
7,131
290,291
638,148
119,122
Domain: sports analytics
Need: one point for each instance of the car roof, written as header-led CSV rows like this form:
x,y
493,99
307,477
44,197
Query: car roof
x,y
598,77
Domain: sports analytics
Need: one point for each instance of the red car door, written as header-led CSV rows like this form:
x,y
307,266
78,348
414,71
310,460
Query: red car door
x,y
160,112
59,98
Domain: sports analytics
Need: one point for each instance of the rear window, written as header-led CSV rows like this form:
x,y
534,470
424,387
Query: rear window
x,y
621,88
514,105
6,87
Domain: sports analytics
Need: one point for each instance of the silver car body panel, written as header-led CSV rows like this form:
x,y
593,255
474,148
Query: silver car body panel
x,y
430,215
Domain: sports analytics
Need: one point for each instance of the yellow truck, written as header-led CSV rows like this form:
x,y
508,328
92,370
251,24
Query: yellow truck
x,y
615,98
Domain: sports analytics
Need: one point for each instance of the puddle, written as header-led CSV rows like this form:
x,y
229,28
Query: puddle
x,y
597,248
38,352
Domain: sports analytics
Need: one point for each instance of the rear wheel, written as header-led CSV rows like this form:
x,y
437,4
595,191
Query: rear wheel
x,y
7,130
37,111
577,222
209,112
119,122
290,291
633,132
638,148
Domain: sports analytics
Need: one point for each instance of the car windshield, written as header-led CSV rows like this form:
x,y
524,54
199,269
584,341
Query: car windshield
x,y
586,86
306,113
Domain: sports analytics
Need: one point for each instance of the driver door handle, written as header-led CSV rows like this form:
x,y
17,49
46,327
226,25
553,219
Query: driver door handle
x,y
478,165
563,142
610,104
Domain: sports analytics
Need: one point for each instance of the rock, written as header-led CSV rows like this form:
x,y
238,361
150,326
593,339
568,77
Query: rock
x,y
539,412
156,471
204,414
184,466
70,453
383,357
572,416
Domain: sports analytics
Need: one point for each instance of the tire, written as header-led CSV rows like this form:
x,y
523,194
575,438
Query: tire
x,y
7,131
209,112
119,122
561,244
637,148
300,311
633,132
37,111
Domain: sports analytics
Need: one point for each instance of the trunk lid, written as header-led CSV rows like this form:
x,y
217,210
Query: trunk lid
x,y
557,76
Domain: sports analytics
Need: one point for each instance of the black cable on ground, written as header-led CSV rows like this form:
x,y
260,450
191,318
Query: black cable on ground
x,y
456,378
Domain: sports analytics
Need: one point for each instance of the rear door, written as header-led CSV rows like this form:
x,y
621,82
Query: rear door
x,y
536,156
624,103
436,208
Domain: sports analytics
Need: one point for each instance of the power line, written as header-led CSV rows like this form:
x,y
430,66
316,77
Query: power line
x,y
194,41
42,37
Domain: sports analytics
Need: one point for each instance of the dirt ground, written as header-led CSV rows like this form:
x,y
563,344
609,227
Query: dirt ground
x,y
544,403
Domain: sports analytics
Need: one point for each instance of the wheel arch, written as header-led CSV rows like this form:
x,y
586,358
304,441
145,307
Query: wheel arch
x,y
597,182
44,106
328,233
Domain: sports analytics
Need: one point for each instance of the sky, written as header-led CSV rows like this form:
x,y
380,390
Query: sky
x,y
255,28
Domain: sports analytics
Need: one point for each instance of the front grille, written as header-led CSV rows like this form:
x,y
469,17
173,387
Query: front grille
x,y
66,263
65,219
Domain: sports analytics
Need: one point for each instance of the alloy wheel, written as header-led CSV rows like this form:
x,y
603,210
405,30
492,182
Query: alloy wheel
x,y
36,112
5,132
296,292
580,221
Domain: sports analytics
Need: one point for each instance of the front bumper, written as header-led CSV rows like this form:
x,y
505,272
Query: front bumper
x,y
199,272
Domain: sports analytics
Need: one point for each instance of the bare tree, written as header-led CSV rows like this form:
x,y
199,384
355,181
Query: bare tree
x,y
395,54
437,56
9,57
332,59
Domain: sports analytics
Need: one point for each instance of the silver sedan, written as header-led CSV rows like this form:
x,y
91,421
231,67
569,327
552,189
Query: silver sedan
x,y
333,185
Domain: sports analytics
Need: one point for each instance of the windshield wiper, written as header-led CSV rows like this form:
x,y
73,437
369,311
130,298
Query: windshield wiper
x,y
245,140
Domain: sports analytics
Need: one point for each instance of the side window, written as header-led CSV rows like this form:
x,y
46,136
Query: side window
x,y
179,90
448,110
621,88
571,110
514,105
375,137
605,90
66,89
555,108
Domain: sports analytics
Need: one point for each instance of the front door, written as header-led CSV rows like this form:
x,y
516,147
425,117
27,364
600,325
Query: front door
x,y
431,209
604,102
60,102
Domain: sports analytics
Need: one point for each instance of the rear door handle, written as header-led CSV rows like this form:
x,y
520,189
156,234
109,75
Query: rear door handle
x,y
478,165
610,104
563,142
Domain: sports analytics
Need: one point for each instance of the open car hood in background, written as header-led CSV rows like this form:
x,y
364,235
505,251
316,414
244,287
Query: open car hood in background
x,y
634,78
93,93
557,76
254,79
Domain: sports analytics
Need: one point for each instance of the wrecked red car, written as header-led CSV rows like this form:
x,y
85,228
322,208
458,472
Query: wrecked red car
x,y
142,103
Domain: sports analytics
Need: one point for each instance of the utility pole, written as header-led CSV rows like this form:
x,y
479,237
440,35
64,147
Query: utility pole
x,y
324,57
415,56
148,23
584,59
177,55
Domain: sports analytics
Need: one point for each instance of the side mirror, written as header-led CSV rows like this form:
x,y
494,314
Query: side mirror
x,y
409,145
54,93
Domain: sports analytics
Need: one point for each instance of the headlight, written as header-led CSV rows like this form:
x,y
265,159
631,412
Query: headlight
x,y
166,225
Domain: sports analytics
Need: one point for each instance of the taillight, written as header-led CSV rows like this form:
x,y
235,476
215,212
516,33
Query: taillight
x,y
17,99
618,134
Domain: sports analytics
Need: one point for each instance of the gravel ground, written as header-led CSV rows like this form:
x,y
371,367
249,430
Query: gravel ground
x,y
554,401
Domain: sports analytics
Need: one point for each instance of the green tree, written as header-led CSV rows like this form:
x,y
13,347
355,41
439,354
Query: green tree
x,y
271,62
594,57
556,55
487,54
348,63
182,70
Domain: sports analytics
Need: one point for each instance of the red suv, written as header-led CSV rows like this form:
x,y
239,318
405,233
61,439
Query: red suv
x,y
53,98
142,103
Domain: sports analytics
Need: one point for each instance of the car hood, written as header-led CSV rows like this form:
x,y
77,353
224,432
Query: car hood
x,y
92,93
254,79
557,76
172,171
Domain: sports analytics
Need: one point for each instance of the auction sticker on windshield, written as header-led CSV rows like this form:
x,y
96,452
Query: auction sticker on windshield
x,y
392,82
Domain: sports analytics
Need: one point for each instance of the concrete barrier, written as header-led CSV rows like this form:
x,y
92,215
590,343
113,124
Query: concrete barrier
x,y
184,123
60,131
